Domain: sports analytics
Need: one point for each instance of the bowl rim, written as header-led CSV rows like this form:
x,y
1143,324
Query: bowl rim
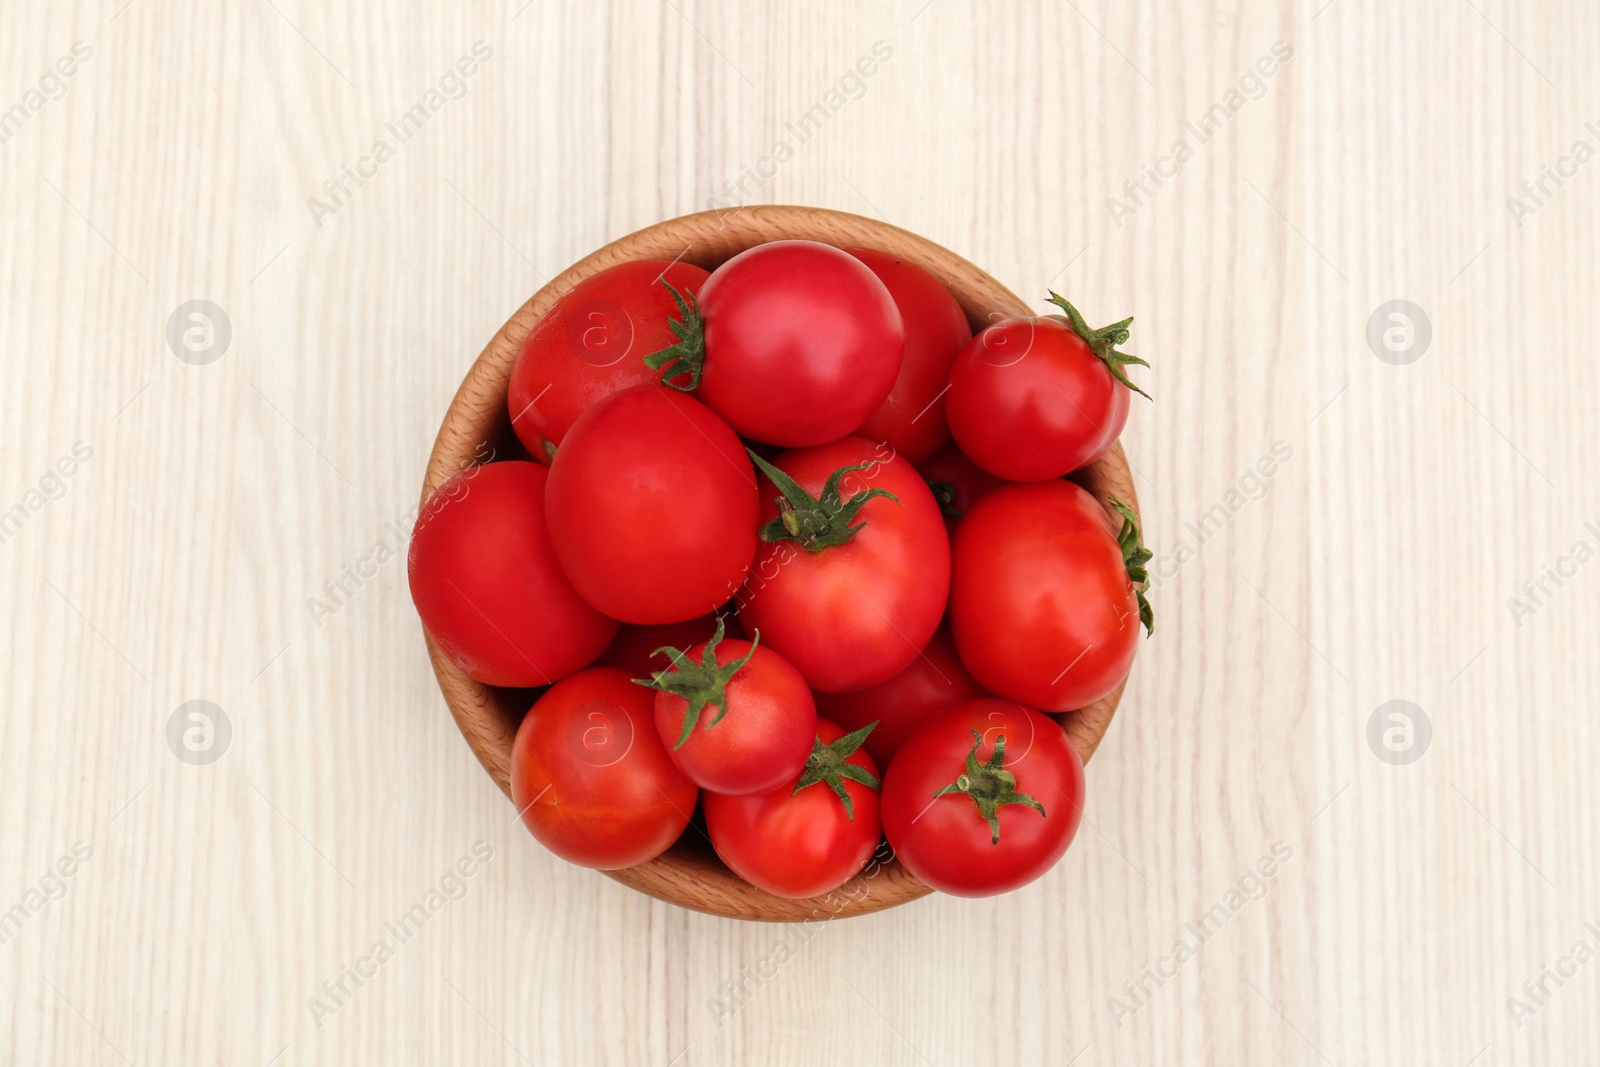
x,y
689,874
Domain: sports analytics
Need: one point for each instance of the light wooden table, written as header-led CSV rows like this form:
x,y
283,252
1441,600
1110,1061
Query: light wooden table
x,y
232,529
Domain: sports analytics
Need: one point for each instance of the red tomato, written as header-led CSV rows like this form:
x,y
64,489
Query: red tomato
x,y
984,798
653,507
591,778
850,581
1039,560
592,343
634,649
794,343
1032,399
956,481
811,835
912,419
487,585
735,717
935,680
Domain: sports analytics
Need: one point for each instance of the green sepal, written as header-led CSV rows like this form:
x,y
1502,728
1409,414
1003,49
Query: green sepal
x,y
701,684
944,494
990,785
688,355
830,764
1103,342
1134,557
815,523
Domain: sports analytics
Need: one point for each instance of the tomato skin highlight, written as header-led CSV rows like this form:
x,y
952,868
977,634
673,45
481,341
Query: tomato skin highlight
x,y
592,343
1040,559
935,680
653,507
855,614
798,845
945,840
1030,400
802,343
591,778
486,583
763,738
911,419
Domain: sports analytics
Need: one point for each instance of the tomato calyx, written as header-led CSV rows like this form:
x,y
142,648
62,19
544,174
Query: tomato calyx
x,y
990,785
830,764
688,356
1134,557
815,522
944,494
701,684
1103,342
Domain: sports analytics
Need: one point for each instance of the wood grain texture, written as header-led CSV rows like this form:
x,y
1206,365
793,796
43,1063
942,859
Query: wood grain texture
x,y
236,533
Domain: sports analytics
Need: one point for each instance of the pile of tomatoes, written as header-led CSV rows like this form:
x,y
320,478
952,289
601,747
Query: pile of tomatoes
x,y
798,550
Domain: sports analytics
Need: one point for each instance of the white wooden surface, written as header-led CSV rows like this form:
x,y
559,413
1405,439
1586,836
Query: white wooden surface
x,y
180,560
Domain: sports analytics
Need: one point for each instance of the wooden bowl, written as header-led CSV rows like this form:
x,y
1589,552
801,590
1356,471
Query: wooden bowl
x,y
689,874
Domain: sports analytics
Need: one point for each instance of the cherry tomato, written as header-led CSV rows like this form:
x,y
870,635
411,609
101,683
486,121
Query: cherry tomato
x,y
912,419
736,718
852,572
487,585
793,342
592,343
653,507
1032,399
591,778
984,798
1039,560
934,681
812,834
634,648
956,481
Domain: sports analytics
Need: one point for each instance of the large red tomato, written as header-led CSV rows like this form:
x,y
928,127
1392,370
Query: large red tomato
x,y
653,506
811,835
1045,603
794,343
1032,399
935,680
487,585
591,778
735,717
853,568
984,798
912,419
592,343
